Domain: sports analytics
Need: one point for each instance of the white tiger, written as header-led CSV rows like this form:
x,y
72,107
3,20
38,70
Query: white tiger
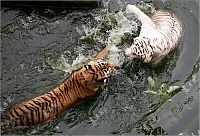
x,y
159,35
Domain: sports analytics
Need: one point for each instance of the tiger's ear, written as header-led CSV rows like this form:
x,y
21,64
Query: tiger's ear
x,y
87,67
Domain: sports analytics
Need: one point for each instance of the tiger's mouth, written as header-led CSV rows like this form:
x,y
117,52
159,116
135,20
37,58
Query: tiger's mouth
x,y
107,73
104,80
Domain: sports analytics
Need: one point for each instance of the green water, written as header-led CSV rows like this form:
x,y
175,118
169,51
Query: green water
x,y
38,48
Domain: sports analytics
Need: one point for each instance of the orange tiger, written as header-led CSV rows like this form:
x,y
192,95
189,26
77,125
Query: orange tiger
x,y
82,83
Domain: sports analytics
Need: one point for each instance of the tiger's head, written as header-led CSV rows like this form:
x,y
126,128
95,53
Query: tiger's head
x,y
95,74
139,50
98,71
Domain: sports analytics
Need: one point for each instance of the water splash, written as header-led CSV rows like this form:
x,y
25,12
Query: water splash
x,y
113,29
116,56
117,27
124,27
63,63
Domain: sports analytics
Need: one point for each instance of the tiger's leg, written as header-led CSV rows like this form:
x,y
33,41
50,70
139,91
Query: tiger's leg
x,y
145,20
101,54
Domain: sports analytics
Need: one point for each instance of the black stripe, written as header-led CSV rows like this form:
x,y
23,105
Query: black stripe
x,y
93,69
32,105
32,117
81,85
36,115
37,112
92,78
52,98
97,68
48,101
12,114
28,107
82,76
50,94
60,89
47,106
24,112
69,83
105,71
42,107
58,99
97,76
92,73
66,91
27,120
101,73
56,107
45,99
34,109
36,102
151,47
63,96
78,87
54,93
61,102
4,117
145,57
16,112
43,116
176,32
63,99
75,85
21,122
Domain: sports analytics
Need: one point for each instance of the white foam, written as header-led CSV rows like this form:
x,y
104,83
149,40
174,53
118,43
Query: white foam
x,y
123,25
63,64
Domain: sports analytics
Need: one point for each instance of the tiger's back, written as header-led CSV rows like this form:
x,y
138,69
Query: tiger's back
x,y
42,108
80,84
168,24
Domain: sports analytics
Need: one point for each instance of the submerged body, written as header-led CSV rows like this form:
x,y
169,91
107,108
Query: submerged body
x,y
80,84
159,35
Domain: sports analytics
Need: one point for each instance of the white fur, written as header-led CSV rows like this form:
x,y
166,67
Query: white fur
x,y
159,35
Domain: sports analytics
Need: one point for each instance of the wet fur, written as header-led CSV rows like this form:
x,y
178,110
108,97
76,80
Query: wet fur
x,y
81,84
159,35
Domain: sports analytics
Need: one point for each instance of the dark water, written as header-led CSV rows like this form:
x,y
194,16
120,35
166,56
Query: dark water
x,y
38,46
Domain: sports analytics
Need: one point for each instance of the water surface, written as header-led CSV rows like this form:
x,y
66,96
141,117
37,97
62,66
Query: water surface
x,y
39,47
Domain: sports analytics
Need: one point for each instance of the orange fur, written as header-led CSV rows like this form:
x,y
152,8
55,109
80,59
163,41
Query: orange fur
x,y
80,84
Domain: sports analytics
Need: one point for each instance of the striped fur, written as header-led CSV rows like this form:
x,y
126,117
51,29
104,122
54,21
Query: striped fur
x,y
80,84
159,35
